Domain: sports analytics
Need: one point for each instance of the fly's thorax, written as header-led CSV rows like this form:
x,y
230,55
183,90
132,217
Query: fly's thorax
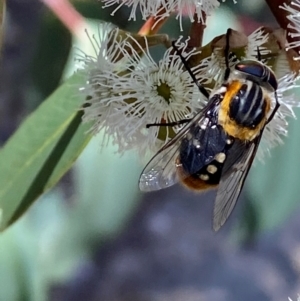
x,y
243,109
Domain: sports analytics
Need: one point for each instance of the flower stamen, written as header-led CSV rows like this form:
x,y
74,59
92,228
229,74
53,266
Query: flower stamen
x,y
164,91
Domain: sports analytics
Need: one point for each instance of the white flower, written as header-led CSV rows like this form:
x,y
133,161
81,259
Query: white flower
x,y
162,92
146,7
101,100
256,40
190,8
161,9
125,98
294,17
278,127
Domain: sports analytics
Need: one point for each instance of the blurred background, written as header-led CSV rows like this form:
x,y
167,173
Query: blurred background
x,y
96,237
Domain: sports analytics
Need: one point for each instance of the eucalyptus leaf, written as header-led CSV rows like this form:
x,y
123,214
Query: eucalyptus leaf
x,y
49,61
41,151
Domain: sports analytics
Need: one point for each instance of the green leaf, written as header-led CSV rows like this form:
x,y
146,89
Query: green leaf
x,y
49,60
41,151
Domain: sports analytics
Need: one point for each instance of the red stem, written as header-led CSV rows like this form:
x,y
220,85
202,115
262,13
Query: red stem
x,y
152,25
67,14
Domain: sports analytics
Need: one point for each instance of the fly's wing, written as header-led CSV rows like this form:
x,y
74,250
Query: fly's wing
x,y
161,171
235,170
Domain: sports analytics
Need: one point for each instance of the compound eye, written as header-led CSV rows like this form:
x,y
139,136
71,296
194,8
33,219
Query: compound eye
x,y
259,71
252,68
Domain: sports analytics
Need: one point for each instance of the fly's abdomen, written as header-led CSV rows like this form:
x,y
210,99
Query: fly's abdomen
x,y
209,175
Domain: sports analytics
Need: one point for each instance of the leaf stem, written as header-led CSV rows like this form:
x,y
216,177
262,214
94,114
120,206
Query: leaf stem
x,y
67,14
197,32
153,24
